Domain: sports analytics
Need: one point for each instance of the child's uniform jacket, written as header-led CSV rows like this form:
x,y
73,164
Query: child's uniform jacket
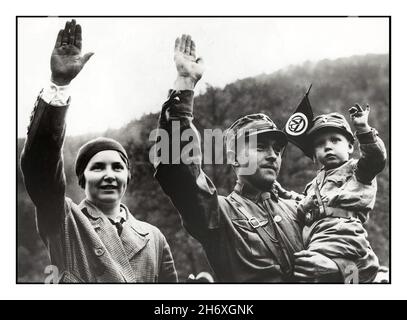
x,y
347,194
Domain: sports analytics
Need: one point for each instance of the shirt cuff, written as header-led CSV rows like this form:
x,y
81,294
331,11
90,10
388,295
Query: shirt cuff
x,y
57,96
367,137
183,100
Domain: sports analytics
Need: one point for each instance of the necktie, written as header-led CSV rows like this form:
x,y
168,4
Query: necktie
x,y
118,225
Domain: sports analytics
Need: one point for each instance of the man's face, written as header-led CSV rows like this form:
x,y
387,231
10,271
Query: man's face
x,y
266,156
106,177
331,148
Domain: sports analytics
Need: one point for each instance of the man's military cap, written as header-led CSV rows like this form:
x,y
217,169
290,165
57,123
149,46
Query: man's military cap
x,y
251,124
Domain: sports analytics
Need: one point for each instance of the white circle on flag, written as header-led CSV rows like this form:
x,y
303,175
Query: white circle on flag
x,y
297,124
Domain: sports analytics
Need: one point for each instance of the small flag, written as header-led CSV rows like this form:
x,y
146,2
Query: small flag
x,y
299,123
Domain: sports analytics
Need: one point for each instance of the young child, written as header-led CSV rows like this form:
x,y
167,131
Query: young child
x,y
338,200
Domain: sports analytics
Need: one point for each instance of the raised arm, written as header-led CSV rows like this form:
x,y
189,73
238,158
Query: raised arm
x,y
178,151
373,152
41,159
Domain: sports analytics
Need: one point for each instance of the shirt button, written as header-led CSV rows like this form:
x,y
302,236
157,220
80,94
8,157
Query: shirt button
x,y
99,251
277,219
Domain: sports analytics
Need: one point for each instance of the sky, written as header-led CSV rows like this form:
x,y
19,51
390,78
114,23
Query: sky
x,y
133,67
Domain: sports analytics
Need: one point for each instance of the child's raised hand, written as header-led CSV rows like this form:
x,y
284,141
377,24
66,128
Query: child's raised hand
x,y
359,118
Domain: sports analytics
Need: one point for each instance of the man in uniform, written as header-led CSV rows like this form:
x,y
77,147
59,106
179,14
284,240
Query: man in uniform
x,y
252,235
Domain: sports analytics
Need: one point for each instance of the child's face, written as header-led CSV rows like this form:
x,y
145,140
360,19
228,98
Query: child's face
x,y
331,148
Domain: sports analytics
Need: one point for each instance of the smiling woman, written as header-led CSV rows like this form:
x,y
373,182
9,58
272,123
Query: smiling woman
x,y
98,240
106,179
102,167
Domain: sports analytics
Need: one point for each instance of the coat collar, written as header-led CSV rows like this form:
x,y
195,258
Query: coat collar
x,y
344,169
95,213
123,248
90,210
254,194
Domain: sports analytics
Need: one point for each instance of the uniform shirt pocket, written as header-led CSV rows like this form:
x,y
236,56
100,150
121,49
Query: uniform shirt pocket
x,y
249,241
337,180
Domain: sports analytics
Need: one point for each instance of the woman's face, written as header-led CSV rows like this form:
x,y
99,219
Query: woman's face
x,y
106,177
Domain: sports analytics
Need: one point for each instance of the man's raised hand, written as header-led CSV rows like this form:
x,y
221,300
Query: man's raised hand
x,y
66,58
189,68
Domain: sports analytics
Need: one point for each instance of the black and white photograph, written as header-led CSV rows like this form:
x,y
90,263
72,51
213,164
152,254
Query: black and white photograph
x,y
203,150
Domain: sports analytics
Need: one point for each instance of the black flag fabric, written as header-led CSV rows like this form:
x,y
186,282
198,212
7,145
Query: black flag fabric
x,y
299,123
